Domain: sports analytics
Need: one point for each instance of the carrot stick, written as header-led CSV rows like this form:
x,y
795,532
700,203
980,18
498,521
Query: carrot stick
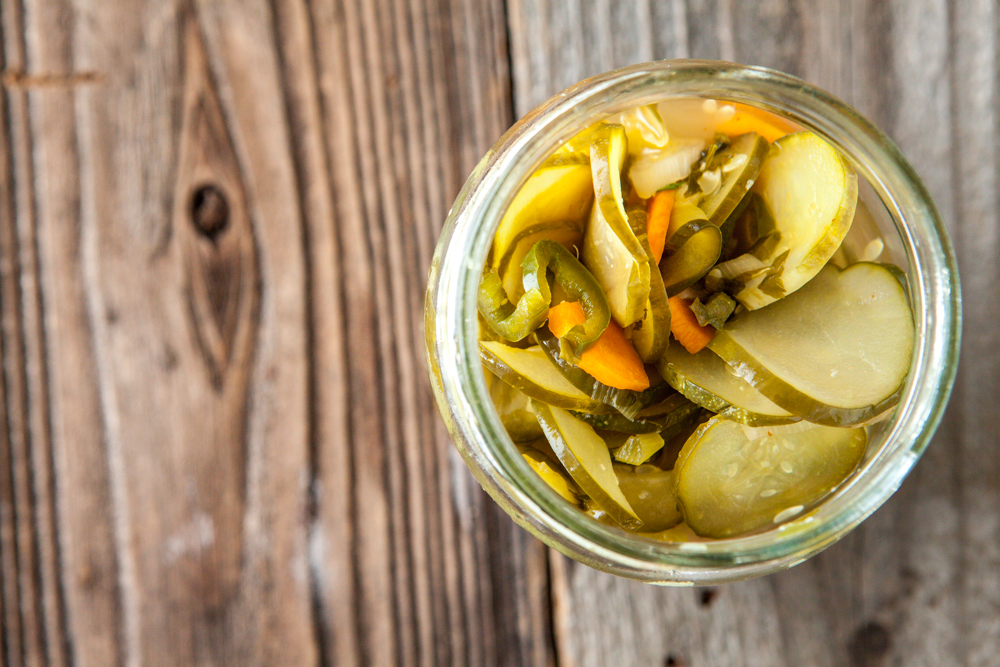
x,y
658,221
751,119
611,359
685,328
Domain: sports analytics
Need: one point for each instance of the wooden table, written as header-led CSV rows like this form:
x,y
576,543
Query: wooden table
x,y
219,445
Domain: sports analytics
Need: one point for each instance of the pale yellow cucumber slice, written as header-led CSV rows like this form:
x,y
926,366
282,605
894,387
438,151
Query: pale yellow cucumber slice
x,y
835,352
586,458
530,371
514,409
611,250
811,193
650,492
729,484
707,380
556,193
552,473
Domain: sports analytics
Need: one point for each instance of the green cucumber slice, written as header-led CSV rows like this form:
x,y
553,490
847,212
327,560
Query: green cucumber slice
x,y
835,352
707,380
514,410
811,193
586,458
556,193
650,492
700,249
611,250
639,448
728,483
530,371
739,164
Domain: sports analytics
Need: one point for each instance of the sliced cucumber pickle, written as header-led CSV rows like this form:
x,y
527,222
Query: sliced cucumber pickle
x,y
611,250
530,371
650,491
693,246
514,409
738,164
729,484
637,449
560,192
707,380
586,458
811,193
835,352
552,473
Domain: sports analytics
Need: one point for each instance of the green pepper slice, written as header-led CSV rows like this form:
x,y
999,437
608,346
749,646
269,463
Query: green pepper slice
x,y
515,322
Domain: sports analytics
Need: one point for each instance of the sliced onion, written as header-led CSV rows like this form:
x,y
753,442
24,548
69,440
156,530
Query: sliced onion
x,y
654,169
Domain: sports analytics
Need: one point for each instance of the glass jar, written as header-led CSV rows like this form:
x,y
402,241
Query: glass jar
x,y
915,240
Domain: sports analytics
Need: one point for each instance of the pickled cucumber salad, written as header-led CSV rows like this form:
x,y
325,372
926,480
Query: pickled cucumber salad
x,y
674,337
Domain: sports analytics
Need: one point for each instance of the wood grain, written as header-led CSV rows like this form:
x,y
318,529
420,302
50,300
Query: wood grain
x,y
217,442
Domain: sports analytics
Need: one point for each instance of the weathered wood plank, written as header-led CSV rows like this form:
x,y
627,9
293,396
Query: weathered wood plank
x,y
399,134
890,591
63,410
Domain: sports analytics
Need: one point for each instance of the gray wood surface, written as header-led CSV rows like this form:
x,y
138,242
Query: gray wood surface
x,y
217,441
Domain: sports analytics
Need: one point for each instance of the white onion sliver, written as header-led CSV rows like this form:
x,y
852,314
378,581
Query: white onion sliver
x,y
655,169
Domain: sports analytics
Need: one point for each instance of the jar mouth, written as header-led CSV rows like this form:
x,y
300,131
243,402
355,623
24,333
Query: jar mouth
x,y
452,326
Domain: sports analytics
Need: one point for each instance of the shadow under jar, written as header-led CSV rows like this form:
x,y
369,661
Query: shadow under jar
x,y
904,216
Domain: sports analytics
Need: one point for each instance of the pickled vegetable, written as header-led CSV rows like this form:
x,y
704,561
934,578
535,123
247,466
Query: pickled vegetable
x,y
585,456
811,192
530,371
650,492
707,380
728,483
835,352
610,248
723,237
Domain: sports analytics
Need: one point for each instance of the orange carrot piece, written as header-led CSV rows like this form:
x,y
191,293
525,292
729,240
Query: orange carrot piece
x,y
685,328
658,221
611,359
751,119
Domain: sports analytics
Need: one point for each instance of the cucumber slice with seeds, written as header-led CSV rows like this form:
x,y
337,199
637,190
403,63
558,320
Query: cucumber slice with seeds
x,y
811,193
707,380
728,484
650,492
835,352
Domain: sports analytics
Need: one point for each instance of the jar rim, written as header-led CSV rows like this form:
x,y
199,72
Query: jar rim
x,y
453,337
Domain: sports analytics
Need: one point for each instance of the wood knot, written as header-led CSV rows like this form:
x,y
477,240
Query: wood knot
x,y
706,596
869,644
209,210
